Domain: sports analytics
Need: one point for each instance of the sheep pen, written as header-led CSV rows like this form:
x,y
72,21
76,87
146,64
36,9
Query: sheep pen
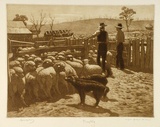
x,y
121,88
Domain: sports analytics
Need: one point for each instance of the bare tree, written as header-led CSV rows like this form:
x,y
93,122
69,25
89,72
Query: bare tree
x,y
51,21
38,24
127,16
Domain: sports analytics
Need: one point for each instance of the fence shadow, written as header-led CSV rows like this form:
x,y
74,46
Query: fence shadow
x,y
136,69
93,109
127,71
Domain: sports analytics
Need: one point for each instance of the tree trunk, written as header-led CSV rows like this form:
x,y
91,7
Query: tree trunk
x,y
127,25
37,35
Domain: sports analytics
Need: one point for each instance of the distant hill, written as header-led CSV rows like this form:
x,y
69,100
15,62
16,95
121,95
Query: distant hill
x,y
89,26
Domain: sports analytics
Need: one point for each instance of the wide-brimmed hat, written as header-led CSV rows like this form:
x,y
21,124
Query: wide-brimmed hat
x,y
102,25
119,25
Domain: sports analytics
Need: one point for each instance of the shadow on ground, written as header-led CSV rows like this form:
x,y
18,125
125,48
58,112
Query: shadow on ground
x,y
108,99
93,109
127,71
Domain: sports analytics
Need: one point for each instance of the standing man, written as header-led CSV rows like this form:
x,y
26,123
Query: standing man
x,y
102,40
120,38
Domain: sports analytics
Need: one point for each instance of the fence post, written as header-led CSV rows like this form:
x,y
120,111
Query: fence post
x,y
67,41
86,48
151,56
137,52
79,41
129,53
133,52
148,47
95,43
142,54
74,42
71,41
90,43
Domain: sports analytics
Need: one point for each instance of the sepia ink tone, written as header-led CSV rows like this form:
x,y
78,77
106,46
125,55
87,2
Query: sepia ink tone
x,y
50,46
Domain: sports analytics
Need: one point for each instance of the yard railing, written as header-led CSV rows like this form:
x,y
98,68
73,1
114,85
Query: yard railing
x,y
138,53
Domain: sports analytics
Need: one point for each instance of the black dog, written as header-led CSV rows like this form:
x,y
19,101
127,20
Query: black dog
x,y
86,85
101,79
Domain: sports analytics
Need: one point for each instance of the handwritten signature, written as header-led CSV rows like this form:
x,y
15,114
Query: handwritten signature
x,y
30,121
89,123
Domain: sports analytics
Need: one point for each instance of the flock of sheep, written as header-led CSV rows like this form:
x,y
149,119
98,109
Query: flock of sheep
x,y
42,77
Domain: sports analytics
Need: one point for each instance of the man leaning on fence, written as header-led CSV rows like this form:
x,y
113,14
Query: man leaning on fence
x,y
120,38
102,40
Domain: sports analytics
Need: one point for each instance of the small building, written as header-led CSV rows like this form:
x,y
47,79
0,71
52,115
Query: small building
x,y
16,30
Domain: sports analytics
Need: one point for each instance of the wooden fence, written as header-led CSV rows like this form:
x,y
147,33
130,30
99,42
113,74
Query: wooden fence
x,y
141,53
138,53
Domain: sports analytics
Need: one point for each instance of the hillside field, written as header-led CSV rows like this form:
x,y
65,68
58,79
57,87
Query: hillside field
x,y
89,26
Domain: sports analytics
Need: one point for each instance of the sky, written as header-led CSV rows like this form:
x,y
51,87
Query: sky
x,y
64,13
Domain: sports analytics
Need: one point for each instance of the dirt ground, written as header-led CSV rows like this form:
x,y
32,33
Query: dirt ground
x,y
131,95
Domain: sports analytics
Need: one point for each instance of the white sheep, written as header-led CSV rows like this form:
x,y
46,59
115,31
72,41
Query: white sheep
x,y
16,85
32,87
89,69
48,78
30,77
71,58
76,65
21,60
68,71
93,60
29,66
14,63
38,61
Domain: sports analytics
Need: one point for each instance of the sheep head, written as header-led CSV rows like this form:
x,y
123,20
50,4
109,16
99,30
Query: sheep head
x,y
52,58
59,67
85,61
19,71
14,63
33,55
61,57
37,60
70,57
47,63
31,58
30,66
26,56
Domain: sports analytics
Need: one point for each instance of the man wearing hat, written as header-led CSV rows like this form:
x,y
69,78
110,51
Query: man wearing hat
x,y
102,39
120,38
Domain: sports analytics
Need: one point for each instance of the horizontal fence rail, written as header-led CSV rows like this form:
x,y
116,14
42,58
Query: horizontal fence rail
x,y
138,52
